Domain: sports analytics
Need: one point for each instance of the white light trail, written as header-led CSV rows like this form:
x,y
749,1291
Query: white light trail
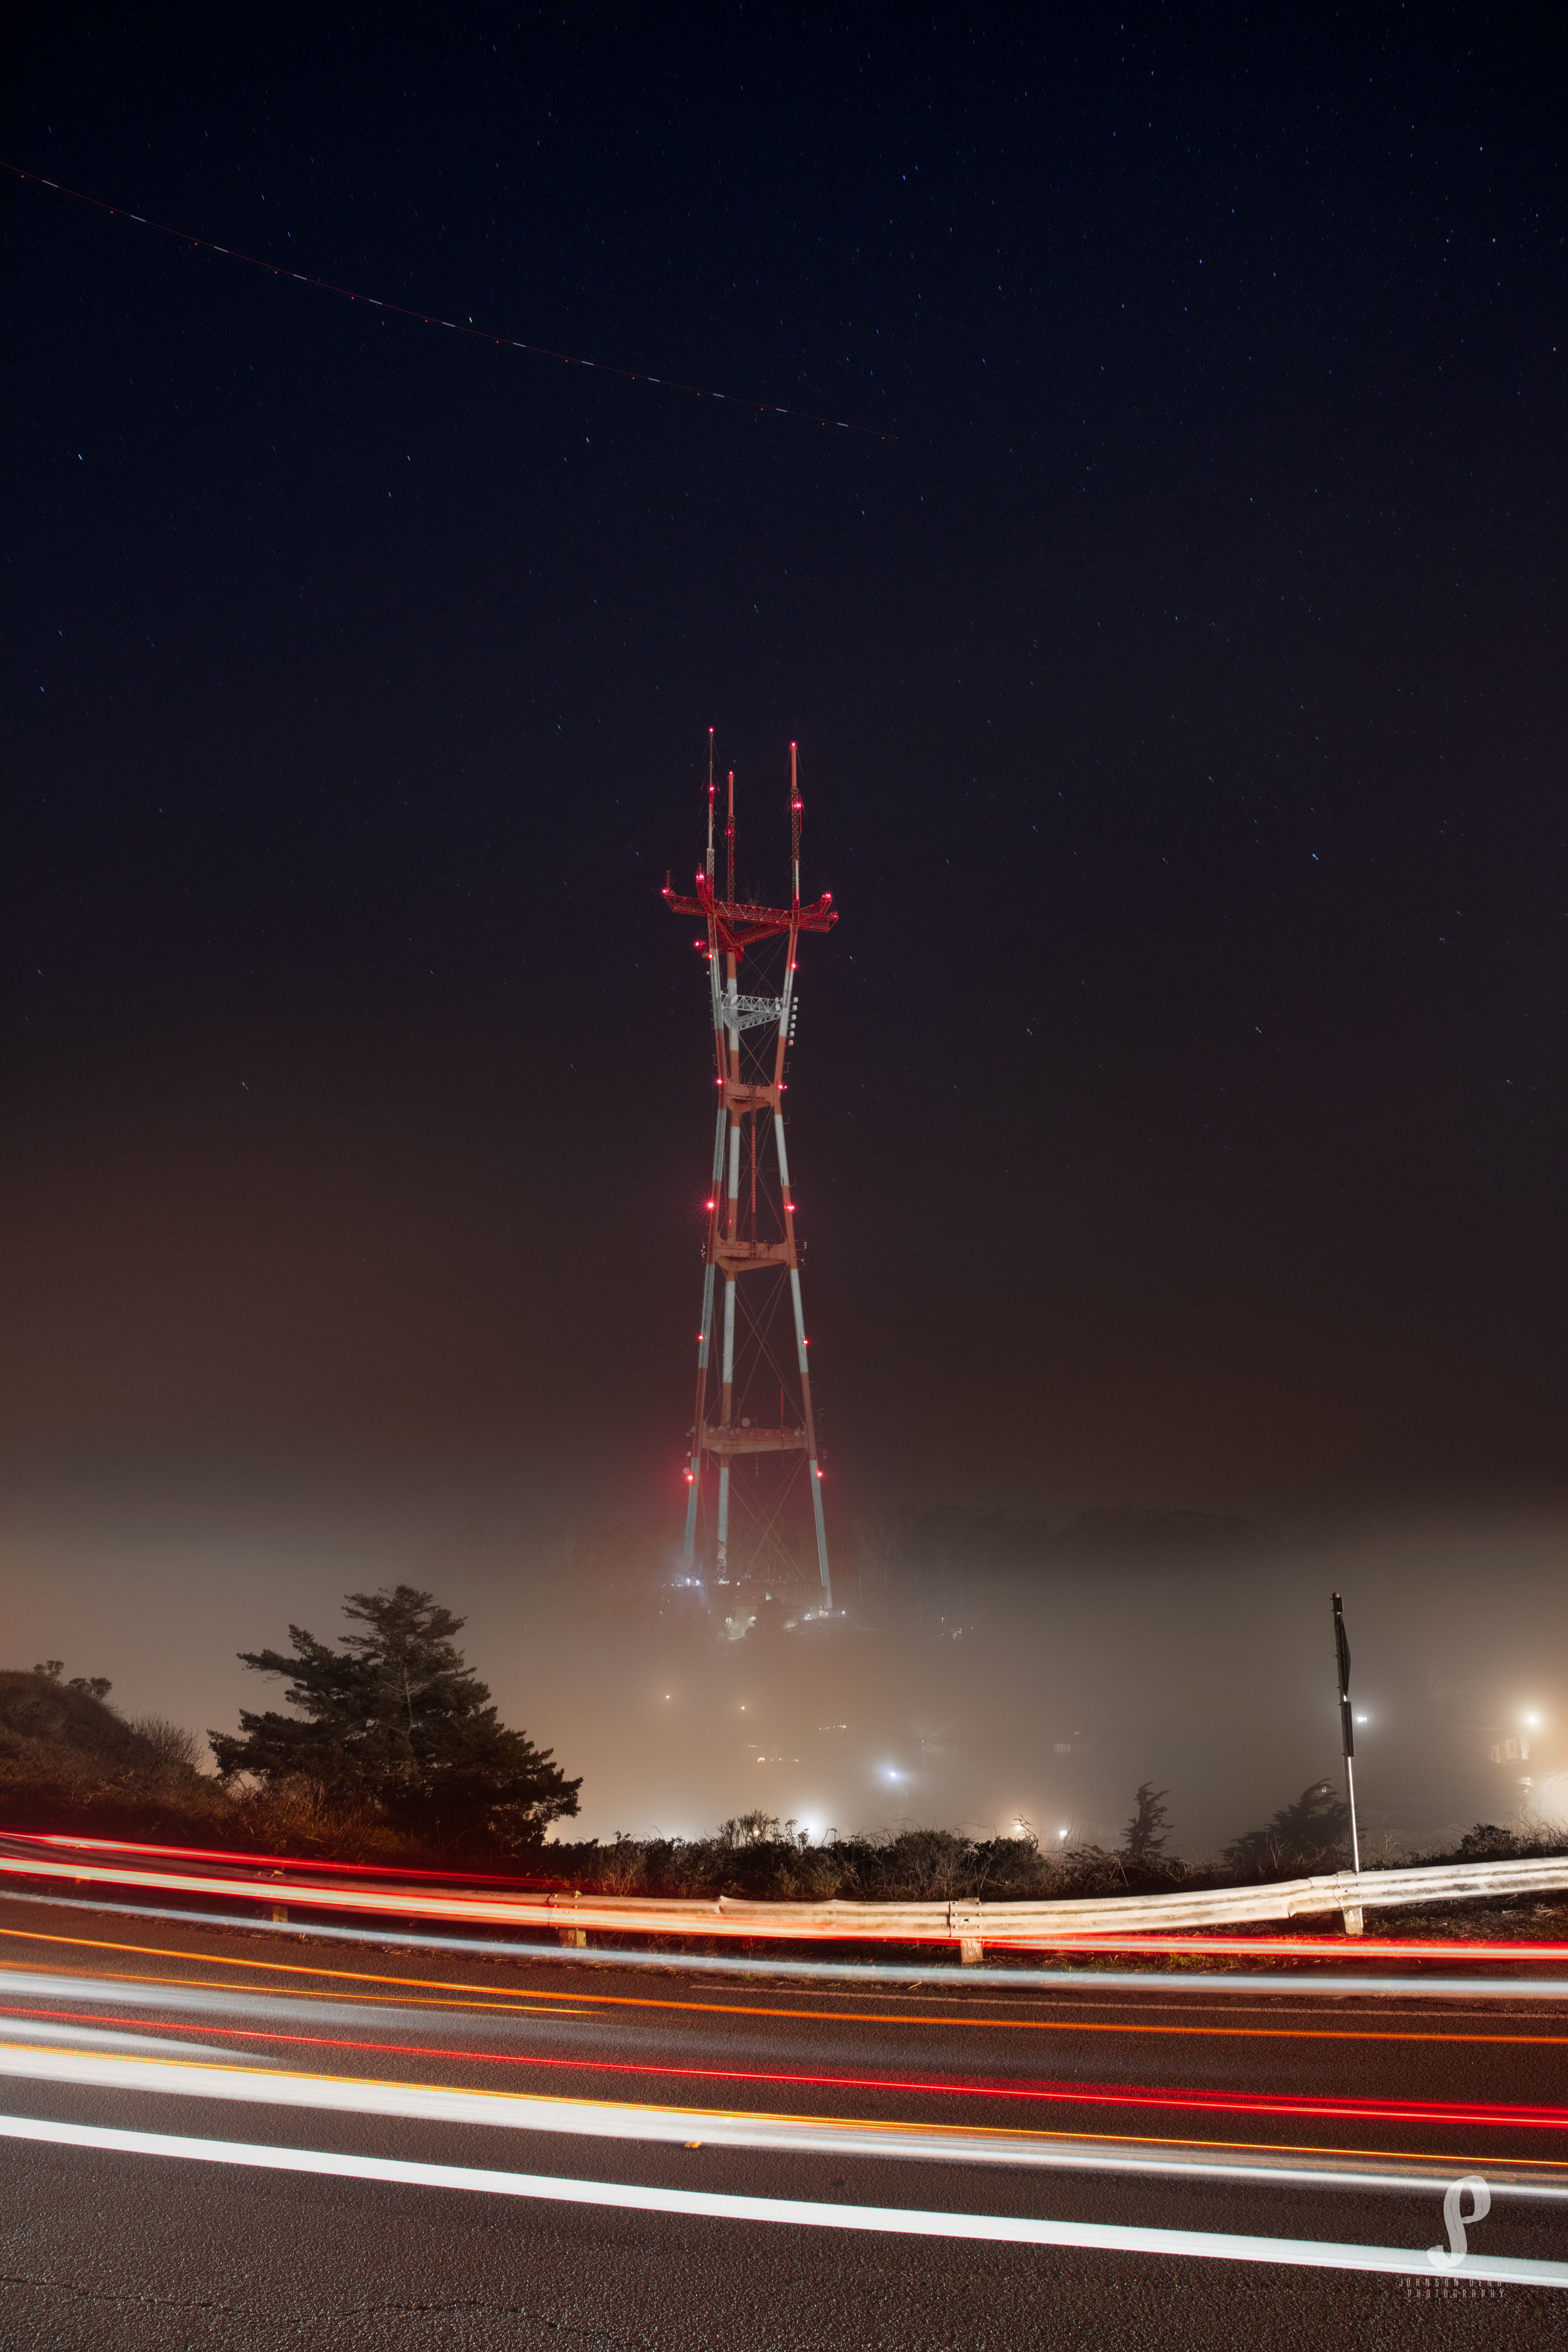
x,y
686,2126
1184,1922
608,1956
239,1999
105,2038
897,2220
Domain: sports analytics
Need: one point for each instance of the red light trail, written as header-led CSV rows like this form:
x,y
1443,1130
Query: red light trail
x,y
1459,2113
679,1917
239,1861
533,1905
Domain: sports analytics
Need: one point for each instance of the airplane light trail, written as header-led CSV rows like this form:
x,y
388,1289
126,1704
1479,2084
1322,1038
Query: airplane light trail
x,y
425,319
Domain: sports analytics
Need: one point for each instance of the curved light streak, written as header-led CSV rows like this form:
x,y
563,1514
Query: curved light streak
x,y
680,1916
895,2219
414,1987
236,1861
609,1956
1436,2114
782,2135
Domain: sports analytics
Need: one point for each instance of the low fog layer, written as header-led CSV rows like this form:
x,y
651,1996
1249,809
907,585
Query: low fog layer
x,y
956,1690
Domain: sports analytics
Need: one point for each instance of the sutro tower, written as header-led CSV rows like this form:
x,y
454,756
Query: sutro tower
x,y
763,1437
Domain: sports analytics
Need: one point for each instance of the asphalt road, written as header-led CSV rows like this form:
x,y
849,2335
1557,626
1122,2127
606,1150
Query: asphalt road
x,y
1340,2119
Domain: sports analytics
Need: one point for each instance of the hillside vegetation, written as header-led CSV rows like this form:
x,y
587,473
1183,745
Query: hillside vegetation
x,y
68,1760
71,1762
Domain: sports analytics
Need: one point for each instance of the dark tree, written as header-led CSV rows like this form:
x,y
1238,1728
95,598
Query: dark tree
x,y
1301,1836
1144,1839
393,1718
95,1686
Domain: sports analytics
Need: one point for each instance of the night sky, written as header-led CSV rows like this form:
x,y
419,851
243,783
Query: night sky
x,y
1178,1109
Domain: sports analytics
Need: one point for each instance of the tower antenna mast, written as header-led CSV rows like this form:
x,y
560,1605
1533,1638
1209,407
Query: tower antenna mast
x,y
757,1462
793,845
710,806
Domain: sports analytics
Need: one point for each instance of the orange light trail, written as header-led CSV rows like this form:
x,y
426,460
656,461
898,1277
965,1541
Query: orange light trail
x,y
1434,2113
506,2004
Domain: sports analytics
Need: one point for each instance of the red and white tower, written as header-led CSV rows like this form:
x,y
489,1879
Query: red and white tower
x,y
762,1440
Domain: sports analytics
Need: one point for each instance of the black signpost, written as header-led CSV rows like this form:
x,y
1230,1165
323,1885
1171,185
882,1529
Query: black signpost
x,y
1347,1731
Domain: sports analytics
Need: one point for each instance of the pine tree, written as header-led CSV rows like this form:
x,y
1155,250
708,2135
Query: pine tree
x,y
393,1718
1304,1836
1144,1837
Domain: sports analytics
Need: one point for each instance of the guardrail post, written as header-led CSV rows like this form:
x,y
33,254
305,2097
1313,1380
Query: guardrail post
x,y
964,1921
576,1936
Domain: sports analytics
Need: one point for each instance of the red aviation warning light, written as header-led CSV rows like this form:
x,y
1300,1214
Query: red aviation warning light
x,y
758,1495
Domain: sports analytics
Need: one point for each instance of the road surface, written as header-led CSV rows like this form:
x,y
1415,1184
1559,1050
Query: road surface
x,y
248,2139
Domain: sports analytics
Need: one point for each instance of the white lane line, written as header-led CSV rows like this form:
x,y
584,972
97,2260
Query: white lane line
x,y
728,2127
1107,2237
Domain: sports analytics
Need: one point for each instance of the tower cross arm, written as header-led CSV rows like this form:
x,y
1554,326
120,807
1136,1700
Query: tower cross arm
x,y
740,925
747,1440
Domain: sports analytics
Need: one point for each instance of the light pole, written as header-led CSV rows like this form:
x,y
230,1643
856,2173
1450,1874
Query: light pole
x,y
1353,1915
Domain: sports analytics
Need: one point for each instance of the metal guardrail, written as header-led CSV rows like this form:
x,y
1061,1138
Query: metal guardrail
x,y
1350,1893
1044,1926
1019,1926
